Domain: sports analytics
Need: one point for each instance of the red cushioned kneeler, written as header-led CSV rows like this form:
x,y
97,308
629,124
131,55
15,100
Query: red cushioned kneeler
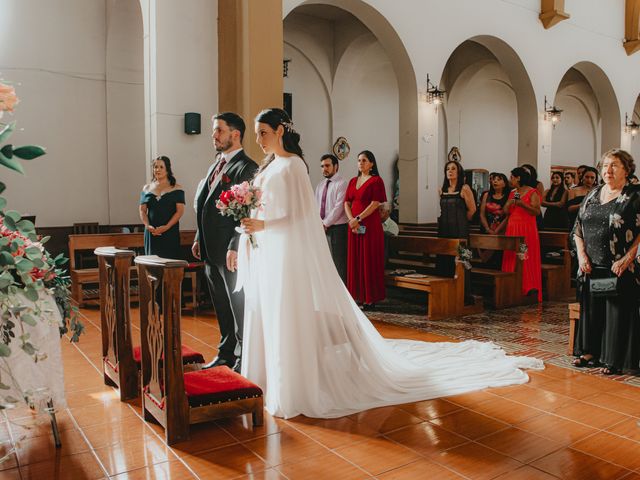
x,y
217,385
189,355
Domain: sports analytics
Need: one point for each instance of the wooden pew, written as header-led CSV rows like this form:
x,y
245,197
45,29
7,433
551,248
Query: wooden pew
x,y
503,288
574,316
84,276
120,359
445,295
174,398
556,275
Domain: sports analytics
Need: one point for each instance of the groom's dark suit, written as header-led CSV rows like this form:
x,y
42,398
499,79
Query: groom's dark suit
x,y
216,235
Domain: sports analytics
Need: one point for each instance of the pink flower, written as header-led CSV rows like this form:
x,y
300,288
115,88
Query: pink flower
x,y
8,98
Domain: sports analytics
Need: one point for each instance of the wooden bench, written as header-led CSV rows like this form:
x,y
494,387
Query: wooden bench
x,y
574,316
503,288
120,359
556,273
445,295
174,398
84,242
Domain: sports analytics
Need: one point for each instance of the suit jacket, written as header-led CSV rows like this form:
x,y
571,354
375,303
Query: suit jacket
x,y
216,233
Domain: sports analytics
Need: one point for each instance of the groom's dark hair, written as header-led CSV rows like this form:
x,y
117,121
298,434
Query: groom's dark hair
x,y
233,120
333,158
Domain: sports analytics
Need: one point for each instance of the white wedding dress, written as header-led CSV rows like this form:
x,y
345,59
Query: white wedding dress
x,y
306,342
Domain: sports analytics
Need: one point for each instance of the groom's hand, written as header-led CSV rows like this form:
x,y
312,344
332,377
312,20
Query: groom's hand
x,y
195,249
232,260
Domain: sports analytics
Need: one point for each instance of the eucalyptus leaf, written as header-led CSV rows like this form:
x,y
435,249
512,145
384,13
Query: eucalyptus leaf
x,y
28,348
38,262
29,152
26,226
6,279
24,265
6,259
10,224
31,293
3,187
3,203
45,239
28,319
11,163
13,215
33,253
6,131
4,241
7,150
5,351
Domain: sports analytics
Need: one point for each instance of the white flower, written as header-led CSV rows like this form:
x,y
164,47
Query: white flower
x,y
622,198
616,220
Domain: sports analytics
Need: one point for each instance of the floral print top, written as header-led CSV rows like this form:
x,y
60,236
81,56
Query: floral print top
x,y
623,224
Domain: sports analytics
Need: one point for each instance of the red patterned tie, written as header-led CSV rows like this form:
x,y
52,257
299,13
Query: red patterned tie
x,y
217,170
323,204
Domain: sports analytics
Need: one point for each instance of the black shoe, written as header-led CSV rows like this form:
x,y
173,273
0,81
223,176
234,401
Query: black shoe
x,y
217,362
367,307
237,367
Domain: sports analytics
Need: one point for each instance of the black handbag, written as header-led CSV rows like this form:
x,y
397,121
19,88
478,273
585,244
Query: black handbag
x,y
603,287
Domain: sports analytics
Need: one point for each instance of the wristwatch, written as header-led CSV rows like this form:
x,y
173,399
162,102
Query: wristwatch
x,y
358,218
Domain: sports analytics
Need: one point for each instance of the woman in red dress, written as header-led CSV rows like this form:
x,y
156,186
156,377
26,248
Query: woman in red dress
x,y
522,207
365,254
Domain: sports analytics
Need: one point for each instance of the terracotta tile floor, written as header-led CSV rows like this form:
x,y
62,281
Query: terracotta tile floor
x,y
562,424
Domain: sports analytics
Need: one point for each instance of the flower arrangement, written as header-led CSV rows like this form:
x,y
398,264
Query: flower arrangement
x,y
27,271
523,251
464,256
238,202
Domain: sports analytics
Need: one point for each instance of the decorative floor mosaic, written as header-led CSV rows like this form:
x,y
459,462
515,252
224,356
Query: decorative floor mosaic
x,y
540,331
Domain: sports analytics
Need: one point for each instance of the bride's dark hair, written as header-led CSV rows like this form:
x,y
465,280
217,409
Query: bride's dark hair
x,y
274,117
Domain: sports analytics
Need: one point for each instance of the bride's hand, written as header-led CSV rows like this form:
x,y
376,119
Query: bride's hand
x,y
252,225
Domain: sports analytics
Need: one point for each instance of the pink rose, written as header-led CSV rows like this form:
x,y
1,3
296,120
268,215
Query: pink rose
x,y
8,98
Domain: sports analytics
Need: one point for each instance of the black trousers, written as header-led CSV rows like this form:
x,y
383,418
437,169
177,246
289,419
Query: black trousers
x,y
337,238
229,310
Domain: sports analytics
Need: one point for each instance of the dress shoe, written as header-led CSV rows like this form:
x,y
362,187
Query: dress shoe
x,y
238,366
217,362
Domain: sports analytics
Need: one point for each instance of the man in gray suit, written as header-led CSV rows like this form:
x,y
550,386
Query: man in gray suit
x,y
216,241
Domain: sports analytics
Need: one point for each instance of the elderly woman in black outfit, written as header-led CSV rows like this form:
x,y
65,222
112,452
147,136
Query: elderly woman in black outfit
x,y
607,235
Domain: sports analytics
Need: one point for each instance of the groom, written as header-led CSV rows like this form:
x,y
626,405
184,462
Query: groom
x,y
216,241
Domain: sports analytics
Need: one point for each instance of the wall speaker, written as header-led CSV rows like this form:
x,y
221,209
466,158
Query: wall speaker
x,y
192,123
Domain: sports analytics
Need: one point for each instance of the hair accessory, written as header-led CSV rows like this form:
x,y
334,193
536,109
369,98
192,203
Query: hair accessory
x,y
288,126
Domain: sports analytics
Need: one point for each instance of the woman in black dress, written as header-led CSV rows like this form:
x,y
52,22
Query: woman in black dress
x,y
457,207
161,206
588,180
493,218
555,199
607,235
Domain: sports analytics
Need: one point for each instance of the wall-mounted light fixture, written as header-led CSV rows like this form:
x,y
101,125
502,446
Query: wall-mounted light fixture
x,y
285,67
630,126
433,94
551,112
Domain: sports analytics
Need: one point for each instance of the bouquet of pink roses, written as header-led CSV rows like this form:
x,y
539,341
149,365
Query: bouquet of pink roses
x,y
238,201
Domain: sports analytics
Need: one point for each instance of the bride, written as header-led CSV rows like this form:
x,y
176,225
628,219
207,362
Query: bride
x,y
306,342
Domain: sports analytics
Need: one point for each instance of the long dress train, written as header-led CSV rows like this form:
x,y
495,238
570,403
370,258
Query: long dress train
x,y
306,342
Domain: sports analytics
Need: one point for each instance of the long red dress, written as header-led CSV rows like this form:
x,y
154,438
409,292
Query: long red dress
x,y
522,224
365,254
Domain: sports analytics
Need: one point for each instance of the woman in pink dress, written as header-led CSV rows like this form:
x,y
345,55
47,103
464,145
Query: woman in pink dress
x,y
522,207
365,254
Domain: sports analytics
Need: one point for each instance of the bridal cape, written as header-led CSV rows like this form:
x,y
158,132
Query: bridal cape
x,y
310,347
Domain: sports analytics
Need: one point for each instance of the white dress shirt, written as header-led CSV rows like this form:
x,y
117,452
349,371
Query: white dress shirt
x,y
229,155
334,210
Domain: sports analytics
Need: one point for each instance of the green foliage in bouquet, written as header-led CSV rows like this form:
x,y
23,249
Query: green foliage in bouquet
x,y
27,270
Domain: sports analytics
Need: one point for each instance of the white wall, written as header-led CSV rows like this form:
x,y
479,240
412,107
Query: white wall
x,y
56,51
483,120
424,27
125,110
343,84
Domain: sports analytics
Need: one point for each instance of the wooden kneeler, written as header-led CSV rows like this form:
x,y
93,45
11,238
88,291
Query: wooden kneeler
x,y
120,359
170,396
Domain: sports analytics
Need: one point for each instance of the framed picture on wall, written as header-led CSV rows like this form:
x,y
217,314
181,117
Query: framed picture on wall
x,y
287,102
